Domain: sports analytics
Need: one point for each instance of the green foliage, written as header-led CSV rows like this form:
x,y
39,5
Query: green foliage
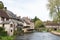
x,y
1,5
1,29
54,7
35,19
19,31
58,31
7,38
3,35
39,24
2,32
42,25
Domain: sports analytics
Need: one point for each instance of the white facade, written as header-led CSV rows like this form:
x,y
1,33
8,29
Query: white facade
x,y
28,26
32,26
0,25
7,26
0,20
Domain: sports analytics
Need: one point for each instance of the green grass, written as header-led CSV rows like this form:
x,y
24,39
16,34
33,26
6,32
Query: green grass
x,y
7,37
58,30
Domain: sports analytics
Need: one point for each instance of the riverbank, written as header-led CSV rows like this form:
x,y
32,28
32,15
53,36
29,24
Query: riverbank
x,y
55,32
7,37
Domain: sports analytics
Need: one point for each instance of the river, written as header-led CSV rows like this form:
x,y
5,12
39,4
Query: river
x,y
38,36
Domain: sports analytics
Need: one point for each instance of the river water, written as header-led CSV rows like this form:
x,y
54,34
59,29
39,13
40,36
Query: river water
x,y
38,36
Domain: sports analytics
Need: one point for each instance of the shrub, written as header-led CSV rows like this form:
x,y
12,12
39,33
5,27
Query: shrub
x,y
2,32
1,29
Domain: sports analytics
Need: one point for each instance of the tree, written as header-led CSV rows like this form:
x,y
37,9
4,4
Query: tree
x,y
39,24
35,19
1,5
54,7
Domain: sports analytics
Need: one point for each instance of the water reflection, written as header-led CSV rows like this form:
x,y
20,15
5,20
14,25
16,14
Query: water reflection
x,y
38,36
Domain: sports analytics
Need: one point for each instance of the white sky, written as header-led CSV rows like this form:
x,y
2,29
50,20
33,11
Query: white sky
x,y
30,8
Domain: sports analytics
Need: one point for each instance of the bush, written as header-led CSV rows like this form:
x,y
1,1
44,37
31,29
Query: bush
x,y
2,32
1,29
39,24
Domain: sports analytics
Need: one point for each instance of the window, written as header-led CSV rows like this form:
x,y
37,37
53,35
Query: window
x,y
11,25
55,29
7,19
3,25
11,30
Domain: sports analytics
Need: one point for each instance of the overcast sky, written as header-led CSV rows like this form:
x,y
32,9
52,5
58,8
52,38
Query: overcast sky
x,y
30,8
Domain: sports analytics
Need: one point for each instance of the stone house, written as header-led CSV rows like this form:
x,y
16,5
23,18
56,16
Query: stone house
x,y
9,21
51,24
28,24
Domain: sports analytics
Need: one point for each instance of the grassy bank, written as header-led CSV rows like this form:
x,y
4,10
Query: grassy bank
x,y
7,37
55,32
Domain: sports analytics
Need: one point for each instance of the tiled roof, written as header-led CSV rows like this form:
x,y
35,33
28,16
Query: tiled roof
x,y
10,14
26,20
7,14
3,13
52,24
